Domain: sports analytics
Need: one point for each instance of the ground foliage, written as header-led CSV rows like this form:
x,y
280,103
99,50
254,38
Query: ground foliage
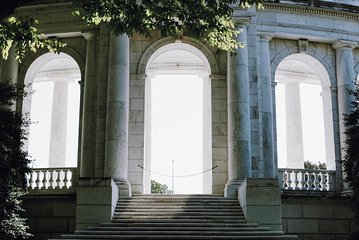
x,y
317,166
351,157
14,165
159,188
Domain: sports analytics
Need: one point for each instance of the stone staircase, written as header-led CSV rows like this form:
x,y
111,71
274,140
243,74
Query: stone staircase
x,y
183,217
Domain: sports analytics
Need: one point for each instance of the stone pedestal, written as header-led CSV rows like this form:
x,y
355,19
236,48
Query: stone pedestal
x,y
260,199
96,201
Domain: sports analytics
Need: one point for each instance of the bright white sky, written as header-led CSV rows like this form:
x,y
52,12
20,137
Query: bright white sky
x,y
312,124
39,137
177,116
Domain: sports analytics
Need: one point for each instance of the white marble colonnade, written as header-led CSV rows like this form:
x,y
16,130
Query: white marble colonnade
x,y
293,120
267,106
239,134
345,82
87,157
116,149
58,131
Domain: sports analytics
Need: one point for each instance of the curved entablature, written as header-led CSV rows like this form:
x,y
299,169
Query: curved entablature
x,y
196,48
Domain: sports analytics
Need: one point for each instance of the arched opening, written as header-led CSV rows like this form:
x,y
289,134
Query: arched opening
x,y
178,120
304,116
53,106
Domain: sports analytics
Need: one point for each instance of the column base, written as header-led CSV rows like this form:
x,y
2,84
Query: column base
x,y
231,189
124,189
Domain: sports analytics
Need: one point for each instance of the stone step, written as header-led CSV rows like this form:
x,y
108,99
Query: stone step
x,y
183,223
180,232
178,208
207,228
179,220
177,217
178,237
171,216
179,196
177,212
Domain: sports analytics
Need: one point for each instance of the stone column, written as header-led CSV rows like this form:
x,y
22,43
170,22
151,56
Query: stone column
x,y
148,133
58,132
88,131
116,153
345,81
294,132
207,134
239,133
267,106
9,70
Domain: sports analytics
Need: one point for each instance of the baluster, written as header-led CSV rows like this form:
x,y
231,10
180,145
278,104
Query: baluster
x,y
316,181
330,182
302,180
31,180
289,180
323,181
51,180
310,181
66,181
306,181
70,176
37,181
285,176
296,182
44,180
58,180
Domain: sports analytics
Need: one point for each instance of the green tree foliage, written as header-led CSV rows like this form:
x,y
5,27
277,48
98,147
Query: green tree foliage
x,y
351,157
206,20
158,188
14,165
23,36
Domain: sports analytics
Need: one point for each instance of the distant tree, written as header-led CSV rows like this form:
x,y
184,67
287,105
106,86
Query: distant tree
x,y
310,165
14,165
351,157
158,188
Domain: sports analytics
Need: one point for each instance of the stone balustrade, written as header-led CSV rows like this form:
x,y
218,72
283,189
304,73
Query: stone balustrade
x,y
52,179
307,180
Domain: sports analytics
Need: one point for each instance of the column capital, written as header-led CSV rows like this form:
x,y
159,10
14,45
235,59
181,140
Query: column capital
x,y
265,36
339,44
89,35
243,22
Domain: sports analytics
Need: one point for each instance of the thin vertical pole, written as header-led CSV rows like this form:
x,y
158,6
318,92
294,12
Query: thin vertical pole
x,y
173,171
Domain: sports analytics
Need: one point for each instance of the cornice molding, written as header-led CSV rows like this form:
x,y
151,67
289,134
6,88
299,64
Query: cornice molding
x,y
43,8
311,10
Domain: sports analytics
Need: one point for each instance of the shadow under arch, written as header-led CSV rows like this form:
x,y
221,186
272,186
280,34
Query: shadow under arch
x,y
305,68
179,58
31,58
